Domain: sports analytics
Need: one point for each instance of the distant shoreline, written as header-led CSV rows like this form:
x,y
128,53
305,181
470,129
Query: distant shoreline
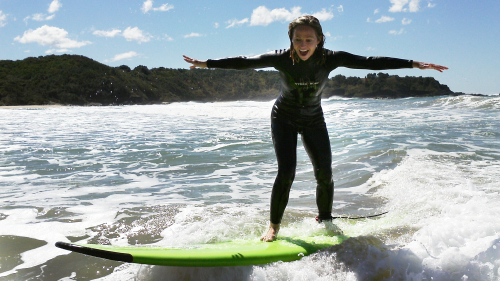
x,y
78,80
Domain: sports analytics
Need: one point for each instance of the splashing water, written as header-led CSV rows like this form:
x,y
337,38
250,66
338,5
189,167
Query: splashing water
x,y
190,173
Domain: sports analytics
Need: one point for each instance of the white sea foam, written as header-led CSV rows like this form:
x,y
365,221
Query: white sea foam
x,y
190,173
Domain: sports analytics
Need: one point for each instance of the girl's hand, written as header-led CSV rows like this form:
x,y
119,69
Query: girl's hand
x,y
195,63
423,65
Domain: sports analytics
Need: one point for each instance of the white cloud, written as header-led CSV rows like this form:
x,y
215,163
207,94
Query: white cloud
x,y
127,55
103,33
400,6
193,34
3,19
376,11
164,8
414,5
168,38
384,19
42,17
135,34
397,5
233,23
39,17
216,25
328,34
50,36
130,34
54,6
148,6
406,21
395,32
51,51
263,16
340,9
323,15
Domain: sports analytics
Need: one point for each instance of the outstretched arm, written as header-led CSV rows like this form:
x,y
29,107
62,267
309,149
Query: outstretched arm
x,y
195,63
423,65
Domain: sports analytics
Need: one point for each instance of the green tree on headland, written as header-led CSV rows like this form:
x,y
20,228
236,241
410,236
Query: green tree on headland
x,y
78,80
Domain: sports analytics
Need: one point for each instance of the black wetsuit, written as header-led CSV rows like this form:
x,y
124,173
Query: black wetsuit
x,y
298,110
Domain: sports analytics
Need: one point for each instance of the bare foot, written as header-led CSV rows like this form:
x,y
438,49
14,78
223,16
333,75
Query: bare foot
x,y
271,233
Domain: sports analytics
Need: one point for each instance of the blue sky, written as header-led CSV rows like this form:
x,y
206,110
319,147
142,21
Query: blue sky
x,y
462,34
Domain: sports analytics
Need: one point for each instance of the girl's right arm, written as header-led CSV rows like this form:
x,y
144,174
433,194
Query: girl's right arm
x,y
195,63
269,59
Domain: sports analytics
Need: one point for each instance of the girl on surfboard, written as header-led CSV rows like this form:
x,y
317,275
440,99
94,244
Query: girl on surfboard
x,y
304,70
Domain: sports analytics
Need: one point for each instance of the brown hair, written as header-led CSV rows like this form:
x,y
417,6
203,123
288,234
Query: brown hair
x,y
309,21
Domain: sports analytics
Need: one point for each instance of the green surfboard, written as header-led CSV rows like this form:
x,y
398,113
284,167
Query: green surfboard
x,y
234,253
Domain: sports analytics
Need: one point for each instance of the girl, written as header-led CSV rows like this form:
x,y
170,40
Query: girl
x,y
304,70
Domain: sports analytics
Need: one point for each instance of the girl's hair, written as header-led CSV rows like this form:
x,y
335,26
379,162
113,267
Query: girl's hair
x,y
309,21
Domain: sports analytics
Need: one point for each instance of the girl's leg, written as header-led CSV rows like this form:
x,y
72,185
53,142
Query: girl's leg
x,y
317,144
285,146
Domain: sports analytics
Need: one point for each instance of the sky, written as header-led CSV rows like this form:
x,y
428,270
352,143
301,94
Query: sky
x,y
463,35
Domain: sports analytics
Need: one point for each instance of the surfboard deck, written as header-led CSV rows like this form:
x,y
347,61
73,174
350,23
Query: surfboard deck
x,y
234,253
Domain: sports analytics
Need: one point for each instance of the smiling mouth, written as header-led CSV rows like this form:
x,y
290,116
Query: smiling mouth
x,y
303,52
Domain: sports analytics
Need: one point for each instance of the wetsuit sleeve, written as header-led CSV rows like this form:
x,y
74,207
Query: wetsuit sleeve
x,y
260,61
374,63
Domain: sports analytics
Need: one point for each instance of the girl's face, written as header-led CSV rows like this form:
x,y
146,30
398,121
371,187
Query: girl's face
x,y
304,41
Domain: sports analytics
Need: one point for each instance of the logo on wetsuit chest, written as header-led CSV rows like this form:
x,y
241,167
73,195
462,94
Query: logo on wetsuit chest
x,y
307,84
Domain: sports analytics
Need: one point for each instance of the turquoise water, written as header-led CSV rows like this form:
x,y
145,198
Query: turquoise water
x,y
188,173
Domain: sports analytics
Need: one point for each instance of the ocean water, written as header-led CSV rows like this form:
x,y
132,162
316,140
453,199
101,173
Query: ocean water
x,y
189,173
